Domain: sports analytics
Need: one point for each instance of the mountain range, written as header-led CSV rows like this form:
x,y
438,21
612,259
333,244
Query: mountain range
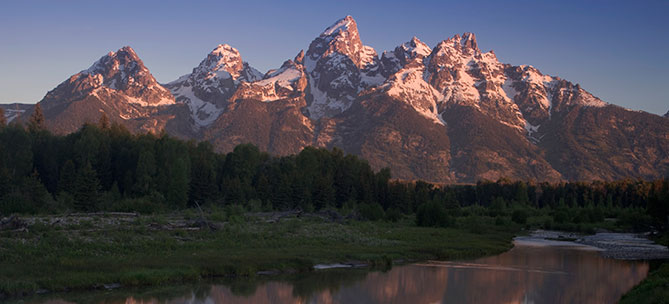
x,y
448,113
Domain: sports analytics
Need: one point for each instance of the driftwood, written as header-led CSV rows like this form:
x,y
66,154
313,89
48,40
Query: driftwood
x,y
275,217
12,223
203,222
119,214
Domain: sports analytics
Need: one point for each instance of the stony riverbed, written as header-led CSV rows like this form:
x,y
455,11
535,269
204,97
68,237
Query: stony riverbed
x,y
623,246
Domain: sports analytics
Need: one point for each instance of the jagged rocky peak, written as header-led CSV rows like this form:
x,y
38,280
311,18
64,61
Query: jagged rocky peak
x,y
412,49
117,72
299,58
288,81
393,61
465,42
339,67
342,37
121,70
208,88
462,44
667,114
225,62
468,40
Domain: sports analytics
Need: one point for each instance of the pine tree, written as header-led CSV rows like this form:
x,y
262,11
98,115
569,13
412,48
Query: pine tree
x,y
521,193
323,195
203,176
177,193
6,183
103,164
37,122
146,170
34,192
86,189
68,177
3,120
103,123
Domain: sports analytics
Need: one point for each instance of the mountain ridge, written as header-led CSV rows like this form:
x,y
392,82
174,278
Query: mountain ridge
x,y
450,113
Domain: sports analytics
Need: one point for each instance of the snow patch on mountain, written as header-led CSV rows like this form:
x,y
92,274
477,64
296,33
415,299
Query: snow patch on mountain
x,y
212,83
368,57
277,84
324,106
143,103
509,91
415,48
11,114
283,77
341,25
409,85
202,112
531,131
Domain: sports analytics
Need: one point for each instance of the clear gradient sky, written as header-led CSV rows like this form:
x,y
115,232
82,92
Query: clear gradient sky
x,y
617,50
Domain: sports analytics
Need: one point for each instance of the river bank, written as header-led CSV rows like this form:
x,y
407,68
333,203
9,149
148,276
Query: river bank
x,y
619,246
531,273
58,253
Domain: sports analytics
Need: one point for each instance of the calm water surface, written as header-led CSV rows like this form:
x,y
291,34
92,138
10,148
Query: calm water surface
x,y
525,274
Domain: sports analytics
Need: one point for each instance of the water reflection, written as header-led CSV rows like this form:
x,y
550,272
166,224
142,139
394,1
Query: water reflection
x,y
525,274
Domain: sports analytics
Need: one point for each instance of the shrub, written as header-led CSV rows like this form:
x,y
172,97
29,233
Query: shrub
x,y
473,224
254,205
393,214
519,216
144,205
636,219
433,214
235,212
372,212
560,216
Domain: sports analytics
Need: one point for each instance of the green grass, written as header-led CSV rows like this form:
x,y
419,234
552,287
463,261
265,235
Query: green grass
x,y
85,256
655,287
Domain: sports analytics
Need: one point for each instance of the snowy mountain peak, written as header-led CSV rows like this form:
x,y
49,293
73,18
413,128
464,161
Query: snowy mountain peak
x,y
666,115
120,74
393,61
124,59
286,82
223,62
415,48
465,43
208,88
299,58
469,41
225,49
125,72
340,26
342,37
222,67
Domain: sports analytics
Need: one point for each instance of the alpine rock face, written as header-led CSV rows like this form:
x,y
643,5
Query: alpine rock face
x,y
208,88
118,85
339,68
448,113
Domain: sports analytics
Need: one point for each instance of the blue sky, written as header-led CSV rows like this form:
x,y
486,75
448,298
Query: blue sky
x,y
617,50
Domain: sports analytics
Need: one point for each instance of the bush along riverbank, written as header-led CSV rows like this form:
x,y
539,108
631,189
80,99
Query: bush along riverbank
x,y
94,251
655,287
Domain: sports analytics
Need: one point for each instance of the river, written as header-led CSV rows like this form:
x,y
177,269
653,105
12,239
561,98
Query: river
x,y
531,272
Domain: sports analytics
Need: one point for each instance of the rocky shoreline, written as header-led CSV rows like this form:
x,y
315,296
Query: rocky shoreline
x,y
622,246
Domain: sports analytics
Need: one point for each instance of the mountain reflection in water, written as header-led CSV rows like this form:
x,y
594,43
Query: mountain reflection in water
x,y
525,274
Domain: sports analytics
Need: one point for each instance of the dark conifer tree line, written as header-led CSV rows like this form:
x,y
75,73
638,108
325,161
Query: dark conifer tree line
x,y
105,167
